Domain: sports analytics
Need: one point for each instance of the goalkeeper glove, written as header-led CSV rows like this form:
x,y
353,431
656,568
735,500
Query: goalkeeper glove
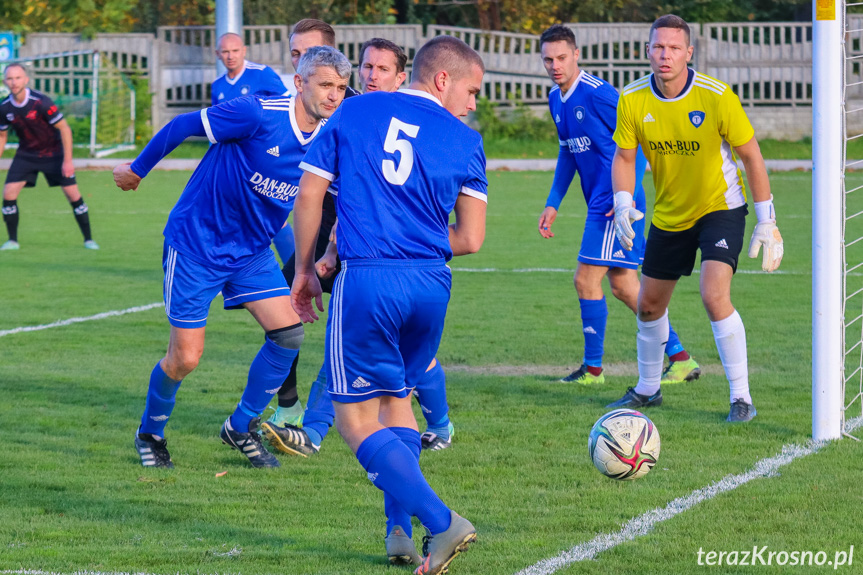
x,y
766,234
624,215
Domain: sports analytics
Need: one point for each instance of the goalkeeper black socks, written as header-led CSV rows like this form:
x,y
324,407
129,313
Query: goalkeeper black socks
x,y
82,216
10,216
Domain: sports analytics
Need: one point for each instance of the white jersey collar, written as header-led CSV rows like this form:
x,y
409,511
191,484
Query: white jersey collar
x,y
421,94
292,114
236,79
24,103
571,91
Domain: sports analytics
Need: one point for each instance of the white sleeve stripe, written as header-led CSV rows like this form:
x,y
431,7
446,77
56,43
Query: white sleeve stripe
x,y
207,127
474,194
563,143
317,171
56,119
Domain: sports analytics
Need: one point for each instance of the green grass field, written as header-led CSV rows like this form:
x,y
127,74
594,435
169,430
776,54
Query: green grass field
x,y
74,496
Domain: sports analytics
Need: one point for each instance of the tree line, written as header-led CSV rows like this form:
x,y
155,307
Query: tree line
x,y
531,16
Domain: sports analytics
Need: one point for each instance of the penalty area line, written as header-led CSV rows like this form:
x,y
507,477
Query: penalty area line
x,y
644,523
72,320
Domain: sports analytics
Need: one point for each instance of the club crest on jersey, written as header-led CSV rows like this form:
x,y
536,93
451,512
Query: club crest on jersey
x,y
697,118
245,90
10,117
273,188
579,114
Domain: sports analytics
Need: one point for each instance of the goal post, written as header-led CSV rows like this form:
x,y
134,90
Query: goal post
x,y
96,98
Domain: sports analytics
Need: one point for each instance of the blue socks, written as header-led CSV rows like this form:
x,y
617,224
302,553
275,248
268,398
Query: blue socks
x,y
284,242
319,414
266,376
394,469
673,346
396,515
161,397
431,393
594,316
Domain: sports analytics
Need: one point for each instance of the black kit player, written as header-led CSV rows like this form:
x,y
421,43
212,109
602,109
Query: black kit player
x,y
45,145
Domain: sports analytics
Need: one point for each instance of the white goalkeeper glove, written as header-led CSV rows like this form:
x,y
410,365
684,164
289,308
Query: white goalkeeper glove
x,y
624,215
766,234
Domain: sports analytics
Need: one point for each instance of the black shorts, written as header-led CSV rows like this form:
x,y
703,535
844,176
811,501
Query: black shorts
x,y
26,169
719,236
328,218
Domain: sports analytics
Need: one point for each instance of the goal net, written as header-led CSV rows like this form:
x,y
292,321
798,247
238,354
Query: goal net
x,y
96,98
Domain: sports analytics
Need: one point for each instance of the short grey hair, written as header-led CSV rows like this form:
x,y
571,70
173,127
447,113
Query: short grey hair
x,y
319,56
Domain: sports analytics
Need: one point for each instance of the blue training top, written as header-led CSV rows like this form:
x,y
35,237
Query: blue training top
x,y
244,188
255,79
401,160
586,117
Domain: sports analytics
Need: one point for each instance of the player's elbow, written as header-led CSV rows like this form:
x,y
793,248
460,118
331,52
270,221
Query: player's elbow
x,y
473,242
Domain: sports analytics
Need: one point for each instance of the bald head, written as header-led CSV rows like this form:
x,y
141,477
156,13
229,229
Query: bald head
x,y
231,51
445,53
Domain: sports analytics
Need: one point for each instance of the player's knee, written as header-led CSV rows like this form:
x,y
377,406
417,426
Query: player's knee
x,y
181,363
290,337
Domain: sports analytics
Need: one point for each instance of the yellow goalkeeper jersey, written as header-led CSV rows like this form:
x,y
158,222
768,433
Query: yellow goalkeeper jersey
x,y
688,141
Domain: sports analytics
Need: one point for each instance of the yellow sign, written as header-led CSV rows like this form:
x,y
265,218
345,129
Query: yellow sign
x,y
825,9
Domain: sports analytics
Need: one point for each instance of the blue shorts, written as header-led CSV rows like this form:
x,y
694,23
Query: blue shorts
x,y
191,287
384,326
599,245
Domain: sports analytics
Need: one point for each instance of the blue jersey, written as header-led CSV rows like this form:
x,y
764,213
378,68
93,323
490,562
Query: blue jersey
x,y
586,117
401,160
244,189
254,79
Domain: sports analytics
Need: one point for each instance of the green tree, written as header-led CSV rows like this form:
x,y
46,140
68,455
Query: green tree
x,y
86,17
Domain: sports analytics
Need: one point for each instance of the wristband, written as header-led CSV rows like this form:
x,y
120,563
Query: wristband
x,y
764,211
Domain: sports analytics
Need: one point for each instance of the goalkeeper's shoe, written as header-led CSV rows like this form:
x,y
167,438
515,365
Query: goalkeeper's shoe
x,y
439,550
400,548
153,452
288,415
249,444
91,245
10,245
289,439
583,377
741,411
680,371
631,399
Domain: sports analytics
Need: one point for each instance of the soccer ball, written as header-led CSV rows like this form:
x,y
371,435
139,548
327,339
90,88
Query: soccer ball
x,y
624,444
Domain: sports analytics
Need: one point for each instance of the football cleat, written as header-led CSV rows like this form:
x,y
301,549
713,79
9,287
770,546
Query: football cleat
x,y
91,245
249,444
153,452
631,399
434,442
741,411
10,245
439,550
400,548
288,415
583,377
289,439
681,371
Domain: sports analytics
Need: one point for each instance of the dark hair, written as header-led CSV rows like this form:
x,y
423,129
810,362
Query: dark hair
x,y
383,44
558,33
671,21
315,25
445,53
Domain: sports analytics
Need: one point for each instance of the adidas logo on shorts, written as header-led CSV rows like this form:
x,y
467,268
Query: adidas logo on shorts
x,y
722,244
618,254
274,151
649,118
360,382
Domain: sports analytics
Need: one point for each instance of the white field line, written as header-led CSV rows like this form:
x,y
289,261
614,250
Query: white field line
x,y
643,524
72,320
572,270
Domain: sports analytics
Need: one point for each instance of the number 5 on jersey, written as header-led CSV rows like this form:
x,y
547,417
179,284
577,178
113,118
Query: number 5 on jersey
x,y
393,174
